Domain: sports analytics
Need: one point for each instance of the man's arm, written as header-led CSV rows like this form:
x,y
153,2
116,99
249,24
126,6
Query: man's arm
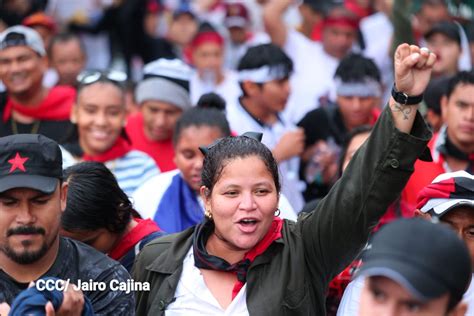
x,y
273,20
412,74
402,27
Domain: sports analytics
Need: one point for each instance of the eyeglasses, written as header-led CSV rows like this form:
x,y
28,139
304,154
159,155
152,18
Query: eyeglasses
x,y
91,76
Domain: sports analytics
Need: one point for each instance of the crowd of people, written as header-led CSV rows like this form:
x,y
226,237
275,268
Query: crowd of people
x,y
237,157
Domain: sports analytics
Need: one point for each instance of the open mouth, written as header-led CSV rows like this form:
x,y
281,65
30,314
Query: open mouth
x,y
247,225
248,222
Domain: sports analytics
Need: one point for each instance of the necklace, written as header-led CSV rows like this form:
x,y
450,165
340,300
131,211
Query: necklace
x,y
34,129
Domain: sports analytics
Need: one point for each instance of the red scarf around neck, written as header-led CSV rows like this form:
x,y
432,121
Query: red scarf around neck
x,y
144,228
119,149
273,234
55,107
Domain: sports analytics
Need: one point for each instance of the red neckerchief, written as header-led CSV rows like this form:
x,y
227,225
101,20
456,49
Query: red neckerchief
x,y
55,107
119,149
375,115
273,234
144,228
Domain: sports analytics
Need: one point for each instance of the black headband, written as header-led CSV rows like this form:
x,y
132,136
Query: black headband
x,y
252,135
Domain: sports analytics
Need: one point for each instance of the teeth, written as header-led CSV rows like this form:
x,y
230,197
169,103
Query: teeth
x,y
248,221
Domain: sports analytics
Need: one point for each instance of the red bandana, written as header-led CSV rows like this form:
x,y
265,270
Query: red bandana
x,y
144,228
207,37
55,107
273,234
341,21
119,149
203,260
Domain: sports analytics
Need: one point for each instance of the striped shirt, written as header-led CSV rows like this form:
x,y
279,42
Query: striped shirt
x,y
132,170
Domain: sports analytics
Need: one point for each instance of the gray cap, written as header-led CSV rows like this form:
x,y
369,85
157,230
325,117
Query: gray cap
x,y
160,89
20,35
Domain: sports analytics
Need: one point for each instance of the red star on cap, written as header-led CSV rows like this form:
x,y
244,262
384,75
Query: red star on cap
x,y
18,163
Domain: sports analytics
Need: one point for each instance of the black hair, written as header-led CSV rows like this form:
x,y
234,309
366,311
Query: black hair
x,y
71,135
95,200
265,55
205,27
470,32
435,90
63,38
211,100
227,149
356,68
201,117
462,77
345,145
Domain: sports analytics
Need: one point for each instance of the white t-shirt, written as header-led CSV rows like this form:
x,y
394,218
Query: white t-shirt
x,y
312,78
192,297
241,121
228,89
233,53
378,47
350,301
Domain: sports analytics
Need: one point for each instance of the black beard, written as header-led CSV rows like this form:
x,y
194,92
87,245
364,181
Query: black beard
x,y
25,257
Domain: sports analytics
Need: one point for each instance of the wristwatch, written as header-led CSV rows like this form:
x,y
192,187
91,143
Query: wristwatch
x,y
404,99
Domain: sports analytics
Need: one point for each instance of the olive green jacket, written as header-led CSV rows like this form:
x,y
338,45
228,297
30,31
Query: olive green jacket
x,y
292,275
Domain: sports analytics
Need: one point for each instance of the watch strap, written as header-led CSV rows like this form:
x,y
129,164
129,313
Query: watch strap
x,y
405,99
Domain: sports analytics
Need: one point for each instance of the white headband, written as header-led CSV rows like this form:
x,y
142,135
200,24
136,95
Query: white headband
x,y
263,74
366,88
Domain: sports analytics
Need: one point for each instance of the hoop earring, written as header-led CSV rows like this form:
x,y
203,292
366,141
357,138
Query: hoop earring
x,y
208,214
277,212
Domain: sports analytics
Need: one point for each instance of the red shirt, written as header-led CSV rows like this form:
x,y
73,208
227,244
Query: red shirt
x,y
161,151
424,174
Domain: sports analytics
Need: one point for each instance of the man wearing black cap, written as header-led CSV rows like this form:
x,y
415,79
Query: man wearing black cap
x,y
415,267
449,199
445,41
32,198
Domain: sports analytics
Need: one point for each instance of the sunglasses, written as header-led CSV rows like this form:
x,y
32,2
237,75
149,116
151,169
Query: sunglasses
x,y
88,77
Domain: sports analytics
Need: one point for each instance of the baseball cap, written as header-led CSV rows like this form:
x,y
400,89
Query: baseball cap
x,y
237,15
182,9
29,161
449,29
446,192
20,35
427,259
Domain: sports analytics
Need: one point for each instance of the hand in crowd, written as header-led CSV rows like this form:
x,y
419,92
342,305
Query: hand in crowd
x,y
291,144
326,158
4,309
73,303
413,68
